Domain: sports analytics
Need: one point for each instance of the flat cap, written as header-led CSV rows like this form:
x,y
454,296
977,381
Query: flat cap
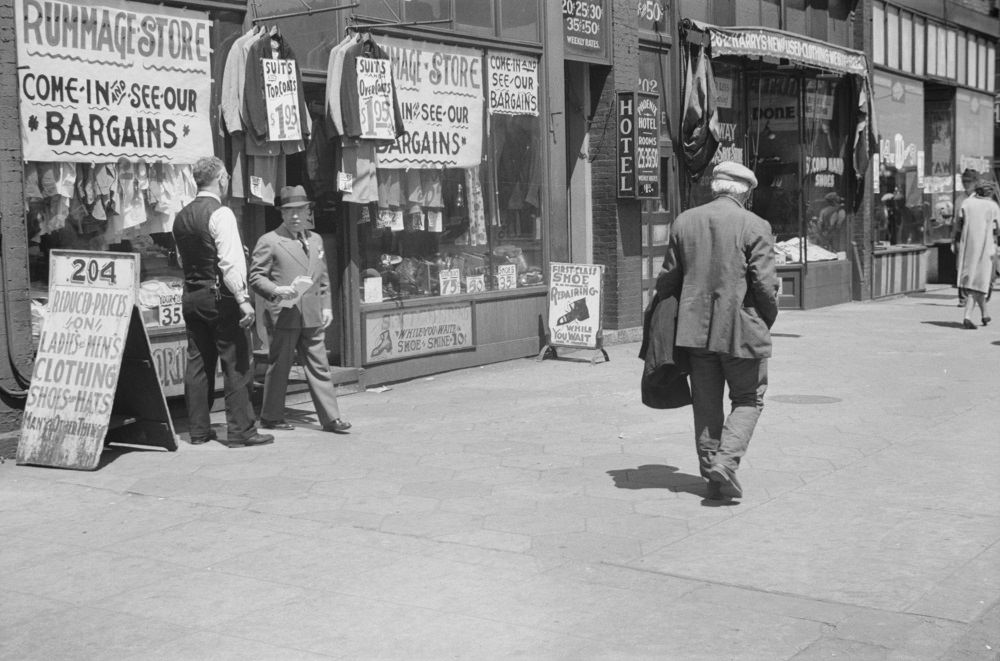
x,y
732,171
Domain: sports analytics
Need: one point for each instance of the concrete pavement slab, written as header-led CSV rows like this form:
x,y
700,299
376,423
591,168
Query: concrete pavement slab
x,y
538,510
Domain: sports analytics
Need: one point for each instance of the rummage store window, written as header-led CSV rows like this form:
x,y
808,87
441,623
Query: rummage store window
x,y
460,195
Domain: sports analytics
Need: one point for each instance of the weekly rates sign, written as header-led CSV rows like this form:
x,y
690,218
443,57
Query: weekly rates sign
x,y
99,83
440,94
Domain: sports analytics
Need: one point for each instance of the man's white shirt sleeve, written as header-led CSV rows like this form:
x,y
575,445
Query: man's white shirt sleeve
x,y
232,261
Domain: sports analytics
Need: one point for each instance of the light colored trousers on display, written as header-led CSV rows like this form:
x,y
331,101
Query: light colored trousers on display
x,y
722,439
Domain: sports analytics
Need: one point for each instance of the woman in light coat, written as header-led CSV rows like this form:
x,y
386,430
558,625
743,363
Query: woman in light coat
x,y
979,226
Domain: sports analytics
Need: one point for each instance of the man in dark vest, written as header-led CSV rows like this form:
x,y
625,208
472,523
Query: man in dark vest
x,y
217,309
720,265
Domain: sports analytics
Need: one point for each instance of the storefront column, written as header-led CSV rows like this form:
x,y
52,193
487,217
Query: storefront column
x,y
861,230
15,314
558,216
616,222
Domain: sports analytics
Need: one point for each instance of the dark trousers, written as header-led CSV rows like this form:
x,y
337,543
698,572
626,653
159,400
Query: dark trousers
x,y
310,345
724,439
213,334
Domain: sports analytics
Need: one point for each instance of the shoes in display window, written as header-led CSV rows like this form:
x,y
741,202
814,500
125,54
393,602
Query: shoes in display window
x,y
578,311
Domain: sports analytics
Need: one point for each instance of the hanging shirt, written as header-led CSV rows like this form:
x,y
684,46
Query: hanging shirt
x,y
334,77
233,81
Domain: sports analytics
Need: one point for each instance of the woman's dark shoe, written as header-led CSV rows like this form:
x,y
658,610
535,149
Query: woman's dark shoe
x,y
968,325
987,320
338,426
276,424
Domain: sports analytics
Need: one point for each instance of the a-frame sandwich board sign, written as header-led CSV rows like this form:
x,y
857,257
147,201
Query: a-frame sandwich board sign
x,y
93,379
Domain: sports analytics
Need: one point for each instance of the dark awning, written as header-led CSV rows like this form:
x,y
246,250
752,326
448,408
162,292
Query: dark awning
x,y
766,42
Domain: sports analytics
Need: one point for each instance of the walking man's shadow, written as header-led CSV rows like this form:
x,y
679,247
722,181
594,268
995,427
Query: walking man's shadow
x,y
655,476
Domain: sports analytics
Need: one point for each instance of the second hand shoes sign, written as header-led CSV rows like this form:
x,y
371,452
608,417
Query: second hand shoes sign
x,y
98,83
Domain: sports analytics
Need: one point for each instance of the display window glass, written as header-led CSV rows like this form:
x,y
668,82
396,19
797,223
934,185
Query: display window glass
x,y
441,229
732,125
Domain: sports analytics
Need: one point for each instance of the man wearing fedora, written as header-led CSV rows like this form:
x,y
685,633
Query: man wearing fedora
x,y
720,265
288,269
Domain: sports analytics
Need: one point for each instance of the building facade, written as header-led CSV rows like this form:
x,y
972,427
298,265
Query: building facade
x,y
535,133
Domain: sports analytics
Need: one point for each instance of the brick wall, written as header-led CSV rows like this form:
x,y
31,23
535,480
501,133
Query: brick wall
x,y
616,223
15,348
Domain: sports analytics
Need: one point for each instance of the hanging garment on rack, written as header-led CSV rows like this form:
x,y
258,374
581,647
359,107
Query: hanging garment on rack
x,y
477,207
350,100
233,81
265,177
255,107
130,200
32,190
357,164
334,76
321,160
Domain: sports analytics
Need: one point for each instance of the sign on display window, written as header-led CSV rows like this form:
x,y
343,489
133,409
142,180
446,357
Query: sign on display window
x,y
281,98
125,81
440,93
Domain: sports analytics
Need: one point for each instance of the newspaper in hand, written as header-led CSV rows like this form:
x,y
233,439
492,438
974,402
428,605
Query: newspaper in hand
x,y
301,284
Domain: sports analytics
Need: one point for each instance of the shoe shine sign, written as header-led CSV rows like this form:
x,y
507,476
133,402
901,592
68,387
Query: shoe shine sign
x,y
575,298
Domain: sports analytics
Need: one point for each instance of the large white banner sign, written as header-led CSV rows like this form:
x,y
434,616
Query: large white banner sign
x,y
98,83
440,93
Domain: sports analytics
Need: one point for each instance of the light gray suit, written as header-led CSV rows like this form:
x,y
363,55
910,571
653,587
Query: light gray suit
x,y
277,260
720,263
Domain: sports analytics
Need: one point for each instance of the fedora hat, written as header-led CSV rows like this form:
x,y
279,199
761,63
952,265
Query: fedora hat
x,y
294,196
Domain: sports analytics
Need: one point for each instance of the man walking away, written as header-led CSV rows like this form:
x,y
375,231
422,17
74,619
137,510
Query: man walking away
x,y
217,309
720,265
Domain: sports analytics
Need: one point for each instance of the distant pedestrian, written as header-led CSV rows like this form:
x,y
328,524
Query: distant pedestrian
x,y
978,226
288,269
216,307
720,265
969,179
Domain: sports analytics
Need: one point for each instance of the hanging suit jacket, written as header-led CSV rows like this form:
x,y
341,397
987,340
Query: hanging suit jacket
x,y
665,367
255,107
277,260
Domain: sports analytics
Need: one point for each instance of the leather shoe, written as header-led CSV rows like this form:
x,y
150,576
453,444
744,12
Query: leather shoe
x,y
338,426
968,325
725,478
987,320
256,439
276,424
201,440
714,491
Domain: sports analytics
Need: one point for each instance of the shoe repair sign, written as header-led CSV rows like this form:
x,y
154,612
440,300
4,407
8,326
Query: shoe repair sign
x,y
98,83
575,296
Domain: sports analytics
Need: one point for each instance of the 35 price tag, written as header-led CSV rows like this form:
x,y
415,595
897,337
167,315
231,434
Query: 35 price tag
x,y
506,276
170,315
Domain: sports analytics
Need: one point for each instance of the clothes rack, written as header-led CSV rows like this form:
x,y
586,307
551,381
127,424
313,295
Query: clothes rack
x,y
308,11
365,23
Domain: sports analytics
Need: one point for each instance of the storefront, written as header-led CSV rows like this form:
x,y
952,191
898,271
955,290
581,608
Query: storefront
x,y
435,202
795,110
105,146
934,83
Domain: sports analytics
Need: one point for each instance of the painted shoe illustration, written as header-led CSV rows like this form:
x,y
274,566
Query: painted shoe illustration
x,y
384,345
577,311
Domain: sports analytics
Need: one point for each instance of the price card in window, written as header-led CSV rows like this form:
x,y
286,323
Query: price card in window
x,y
507,276
475,284
281,98
170,310
449,280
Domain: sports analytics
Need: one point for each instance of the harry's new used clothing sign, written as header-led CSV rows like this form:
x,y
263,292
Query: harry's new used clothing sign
x,y
99,83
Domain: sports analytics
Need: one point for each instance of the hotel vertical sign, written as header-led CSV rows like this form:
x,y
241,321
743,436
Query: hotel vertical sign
x,y
638,145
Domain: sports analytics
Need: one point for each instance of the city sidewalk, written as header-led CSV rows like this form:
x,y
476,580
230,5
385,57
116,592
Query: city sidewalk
x,y
539,511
